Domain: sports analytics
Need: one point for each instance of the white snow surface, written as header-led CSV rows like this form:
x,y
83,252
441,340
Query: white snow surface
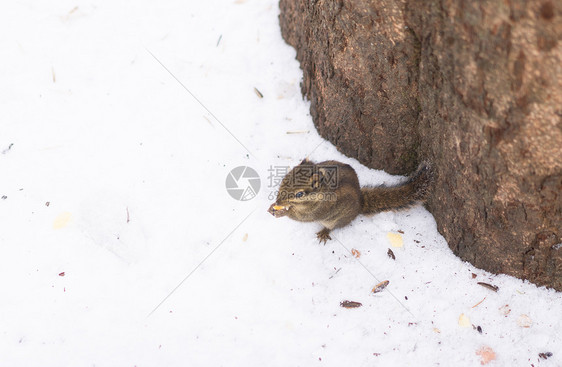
x,y
156,265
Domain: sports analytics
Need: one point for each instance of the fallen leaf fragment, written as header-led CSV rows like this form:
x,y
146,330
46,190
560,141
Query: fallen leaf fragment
x,y
391,254
379,287
350,304
356,253
245,238
491,287
524,321
436,330
464,321
545,355
62,220
61,274
486,354
395,239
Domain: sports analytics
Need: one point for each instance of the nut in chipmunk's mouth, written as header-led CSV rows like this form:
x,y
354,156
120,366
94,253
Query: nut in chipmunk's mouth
x,y
278,210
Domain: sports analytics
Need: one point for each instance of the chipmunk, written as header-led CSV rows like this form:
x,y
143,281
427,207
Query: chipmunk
x,y
329,193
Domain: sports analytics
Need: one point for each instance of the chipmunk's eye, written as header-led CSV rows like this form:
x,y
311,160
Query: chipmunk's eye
x,y
299,194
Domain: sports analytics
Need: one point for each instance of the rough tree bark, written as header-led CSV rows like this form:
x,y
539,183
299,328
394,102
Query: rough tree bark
x,y
473,86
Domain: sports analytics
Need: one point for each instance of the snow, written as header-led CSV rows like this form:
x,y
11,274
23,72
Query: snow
x,y
120,245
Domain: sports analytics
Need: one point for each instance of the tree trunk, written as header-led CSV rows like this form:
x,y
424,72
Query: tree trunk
x,y
474,87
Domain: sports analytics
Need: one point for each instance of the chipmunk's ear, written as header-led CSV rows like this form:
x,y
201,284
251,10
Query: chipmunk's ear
x,y
316,179
305,161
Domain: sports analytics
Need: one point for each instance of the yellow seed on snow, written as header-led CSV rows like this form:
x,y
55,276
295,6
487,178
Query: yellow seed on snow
x,y
395,239
464,321
379,287
62,220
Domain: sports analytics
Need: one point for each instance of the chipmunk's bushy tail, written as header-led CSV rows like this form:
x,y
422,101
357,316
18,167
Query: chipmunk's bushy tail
x,y
413,190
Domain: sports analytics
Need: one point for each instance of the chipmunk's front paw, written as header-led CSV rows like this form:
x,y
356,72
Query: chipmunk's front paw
x,y
323,235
